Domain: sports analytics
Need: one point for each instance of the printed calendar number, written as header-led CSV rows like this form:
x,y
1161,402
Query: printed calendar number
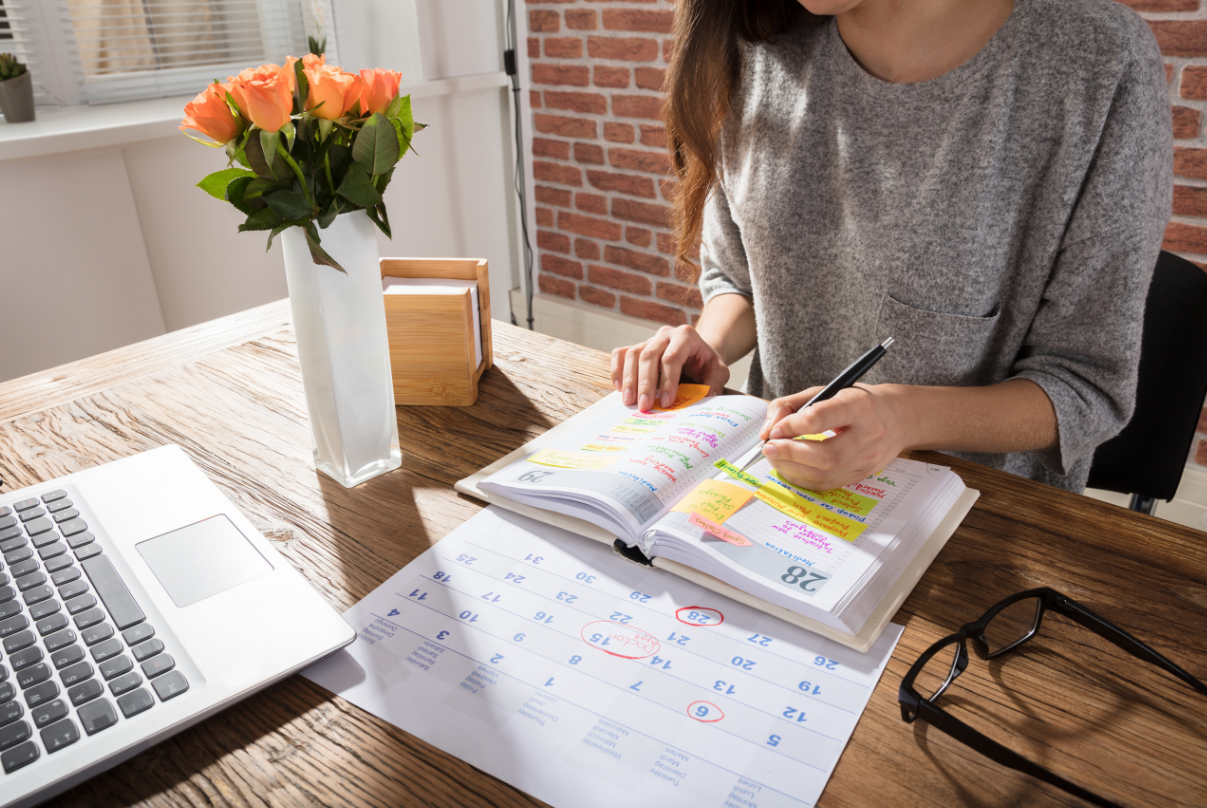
x,y
808,580
705,711
699,616
535,476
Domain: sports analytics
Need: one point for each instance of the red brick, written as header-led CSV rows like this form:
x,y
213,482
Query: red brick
x,y
619,279
1162,5
654,22
589,153
587,250
618,132
544,147
623,48
589,103
580,19
563,47
1185,238
649,310
574,75
624,183
597,296
534,47
611,76
544,22
1186,123
668,188
1200,452
666,243
637,106
552,196
544,217
636,160
653,136
638,235
1194,82
1202,427
592,203
588,226
1190,163
650,78
1181,37
534,98
561,266
650,264
548,240
566,127
555,172
680,294
555,286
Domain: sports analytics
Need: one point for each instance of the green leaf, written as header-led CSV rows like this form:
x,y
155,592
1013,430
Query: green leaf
x,y
358,189
285,225
288,130
376,148
215,184
378,215
290,204
328,216
317,253
341,158
303,93
264,219
254,149
404,142
268,143
405,116
259,187
394,107
383,181
236,194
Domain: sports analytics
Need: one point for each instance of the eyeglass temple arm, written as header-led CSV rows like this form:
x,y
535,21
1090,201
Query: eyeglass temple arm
x,y
1108,630
1004,755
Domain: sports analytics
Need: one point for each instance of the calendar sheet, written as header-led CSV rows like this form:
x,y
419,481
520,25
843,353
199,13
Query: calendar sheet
x,y
586,680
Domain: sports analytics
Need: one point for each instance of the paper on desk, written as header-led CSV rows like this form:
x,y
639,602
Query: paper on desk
x,y
586,680
436,286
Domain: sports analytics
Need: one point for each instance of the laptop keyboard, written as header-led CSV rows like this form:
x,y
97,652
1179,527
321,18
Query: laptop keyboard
x,y
78,654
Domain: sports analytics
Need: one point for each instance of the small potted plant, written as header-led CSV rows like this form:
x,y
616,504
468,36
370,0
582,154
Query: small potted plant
x,y
16,90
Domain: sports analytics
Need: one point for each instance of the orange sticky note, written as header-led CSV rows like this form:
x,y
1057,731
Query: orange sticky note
x,y
711,527
714,499
686,394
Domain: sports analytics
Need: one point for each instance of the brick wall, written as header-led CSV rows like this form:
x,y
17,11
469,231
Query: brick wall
x,y
601,170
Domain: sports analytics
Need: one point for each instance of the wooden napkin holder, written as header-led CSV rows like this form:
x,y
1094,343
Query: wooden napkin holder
x,y
432,350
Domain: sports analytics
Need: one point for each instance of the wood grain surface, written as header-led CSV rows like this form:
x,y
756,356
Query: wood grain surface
x,y
230,394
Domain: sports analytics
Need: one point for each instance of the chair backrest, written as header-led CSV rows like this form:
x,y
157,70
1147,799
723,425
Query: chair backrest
x,y
1148,456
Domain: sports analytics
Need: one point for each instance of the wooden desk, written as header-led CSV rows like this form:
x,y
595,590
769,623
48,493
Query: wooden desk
x,y
230,393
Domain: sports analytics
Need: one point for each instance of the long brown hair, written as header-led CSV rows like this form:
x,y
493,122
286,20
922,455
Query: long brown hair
x,y
700,81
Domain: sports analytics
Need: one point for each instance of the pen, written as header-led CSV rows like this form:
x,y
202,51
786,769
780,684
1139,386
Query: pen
x,y
848,377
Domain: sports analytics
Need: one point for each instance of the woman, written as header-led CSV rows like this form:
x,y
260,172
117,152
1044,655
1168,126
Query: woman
x,y
986,181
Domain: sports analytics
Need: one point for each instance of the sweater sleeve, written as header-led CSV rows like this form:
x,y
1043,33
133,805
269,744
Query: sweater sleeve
x,y
1083,346
724,268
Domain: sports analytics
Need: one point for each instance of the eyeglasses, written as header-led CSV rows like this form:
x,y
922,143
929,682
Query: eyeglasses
x,y
1000,630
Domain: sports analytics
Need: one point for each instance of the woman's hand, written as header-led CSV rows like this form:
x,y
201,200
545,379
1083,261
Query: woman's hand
x,y
869,430
641,371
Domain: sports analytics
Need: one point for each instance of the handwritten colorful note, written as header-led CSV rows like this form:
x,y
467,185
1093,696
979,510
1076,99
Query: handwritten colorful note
x,y
627,428
714,499
571,460
735,472
602,447
802,510
685,396
711,527
843,498
642,421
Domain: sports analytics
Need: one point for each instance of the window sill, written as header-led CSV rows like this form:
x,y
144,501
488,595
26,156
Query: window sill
x,y
84,127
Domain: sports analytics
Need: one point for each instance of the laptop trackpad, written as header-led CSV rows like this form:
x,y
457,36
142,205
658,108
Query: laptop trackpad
x,y
202,559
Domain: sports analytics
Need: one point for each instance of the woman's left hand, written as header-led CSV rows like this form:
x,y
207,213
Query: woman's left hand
x,y
869,436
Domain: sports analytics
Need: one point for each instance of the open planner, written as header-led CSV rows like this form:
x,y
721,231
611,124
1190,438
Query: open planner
x,y
665,488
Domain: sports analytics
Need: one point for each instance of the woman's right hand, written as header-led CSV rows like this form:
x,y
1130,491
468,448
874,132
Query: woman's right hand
x,y
644,370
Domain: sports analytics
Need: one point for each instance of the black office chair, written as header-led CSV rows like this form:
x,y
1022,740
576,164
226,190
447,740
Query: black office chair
x,y
1146,459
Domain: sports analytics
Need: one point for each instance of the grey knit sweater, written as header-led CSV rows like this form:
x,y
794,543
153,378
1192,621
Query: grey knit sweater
x,y
1000,221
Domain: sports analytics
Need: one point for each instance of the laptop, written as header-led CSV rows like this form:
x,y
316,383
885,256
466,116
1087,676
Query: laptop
x,y
135,601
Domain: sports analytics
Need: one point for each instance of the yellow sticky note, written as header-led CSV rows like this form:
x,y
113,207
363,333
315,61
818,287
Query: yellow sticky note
x,y
714,499
636,421
802,510
686,395
571,460
840,498
735,472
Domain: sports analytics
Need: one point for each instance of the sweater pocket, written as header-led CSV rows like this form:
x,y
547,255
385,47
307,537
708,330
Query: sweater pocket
x,y
935,348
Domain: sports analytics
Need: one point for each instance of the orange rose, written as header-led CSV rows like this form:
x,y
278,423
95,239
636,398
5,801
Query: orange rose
x,y
209,114
380,86
264,96
310,60
334,89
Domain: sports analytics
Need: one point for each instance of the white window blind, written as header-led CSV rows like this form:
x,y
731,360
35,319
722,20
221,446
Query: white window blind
x,y
23,33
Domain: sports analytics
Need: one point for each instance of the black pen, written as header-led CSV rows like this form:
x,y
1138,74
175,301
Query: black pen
x,y
844,380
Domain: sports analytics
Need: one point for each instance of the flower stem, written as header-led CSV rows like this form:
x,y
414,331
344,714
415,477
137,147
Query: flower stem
x,y
327,165
296,170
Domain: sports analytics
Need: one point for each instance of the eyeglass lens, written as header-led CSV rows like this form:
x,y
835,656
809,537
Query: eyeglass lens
x,y
940,670
1013,624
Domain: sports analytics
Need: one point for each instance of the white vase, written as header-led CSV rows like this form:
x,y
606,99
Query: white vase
x,y
344,350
